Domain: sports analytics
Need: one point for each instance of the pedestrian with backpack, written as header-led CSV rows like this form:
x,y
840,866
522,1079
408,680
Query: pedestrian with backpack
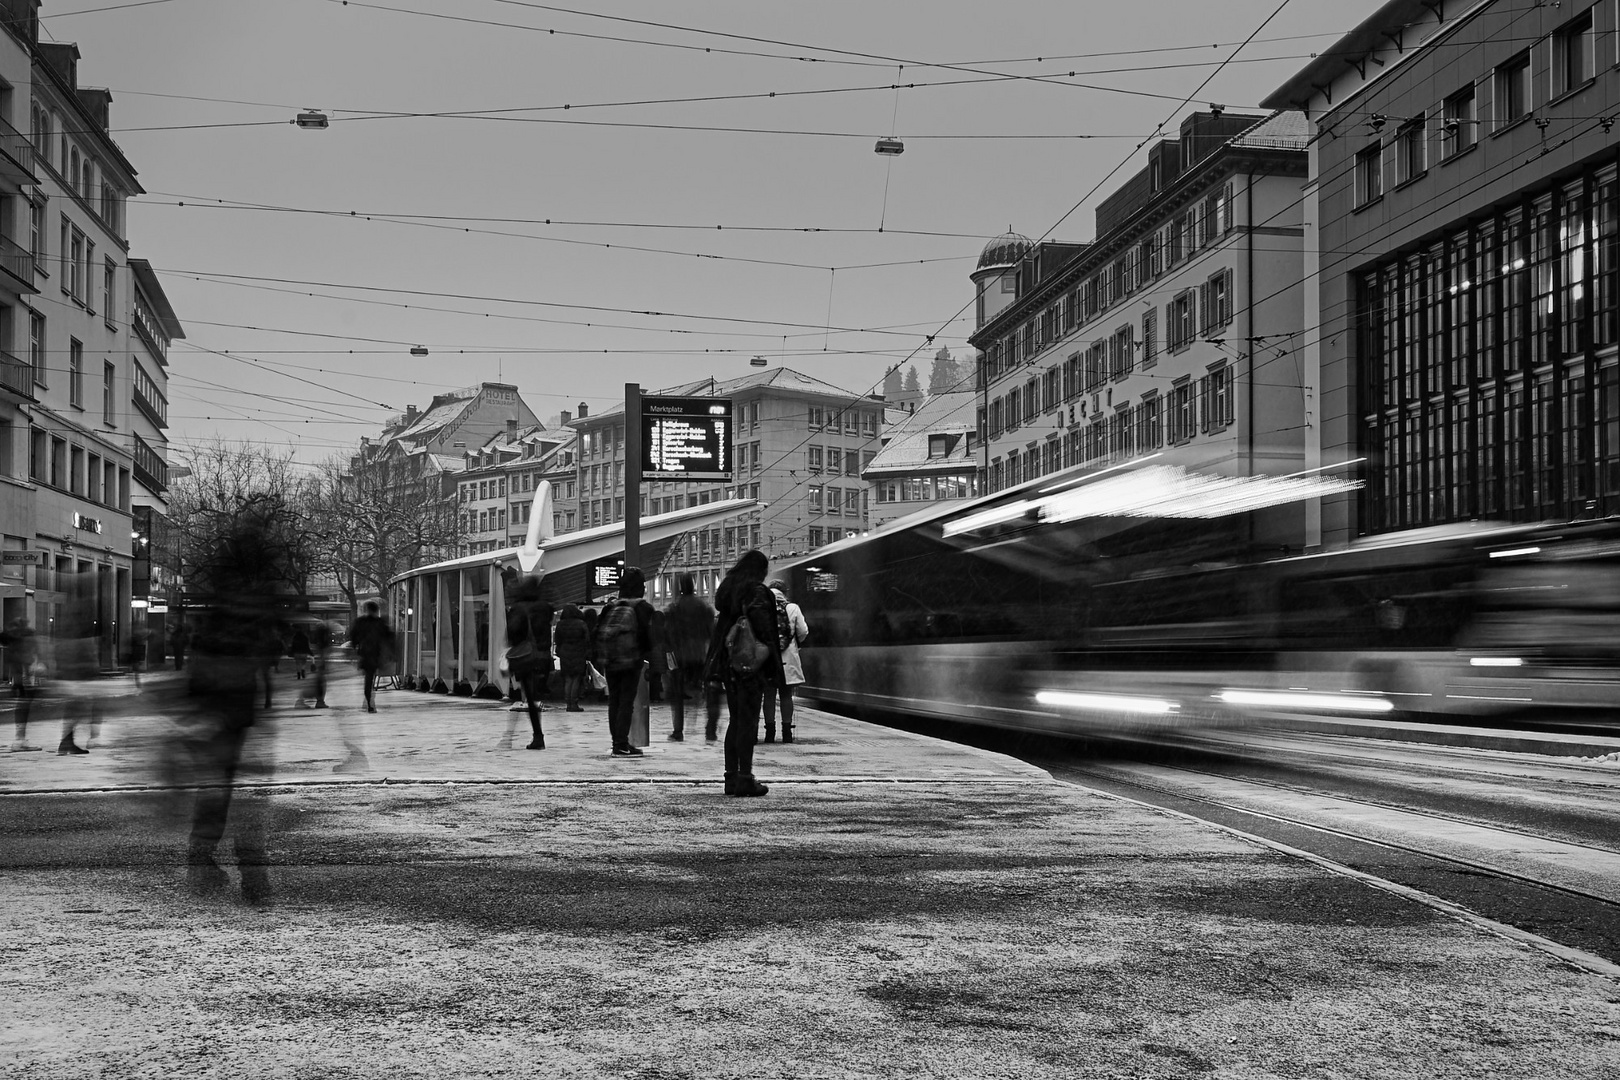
x,y
688,629
624,640
745,653
791,632
528,653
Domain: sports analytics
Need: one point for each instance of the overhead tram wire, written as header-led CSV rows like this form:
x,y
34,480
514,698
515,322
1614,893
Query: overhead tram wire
x,y
1096,187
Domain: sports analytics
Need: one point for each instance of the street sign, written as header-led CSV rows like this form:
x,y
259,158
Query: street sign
x,y
604,577
686,439
26,558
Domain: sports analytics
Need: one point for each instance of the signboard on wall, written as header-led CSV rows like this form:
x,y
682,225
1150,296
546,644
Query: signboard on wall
x,y
686,439
23,558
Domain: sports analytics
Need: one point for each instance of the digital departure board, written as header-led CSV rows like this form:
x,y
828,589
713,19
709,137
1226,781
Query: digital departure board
x,y
686,439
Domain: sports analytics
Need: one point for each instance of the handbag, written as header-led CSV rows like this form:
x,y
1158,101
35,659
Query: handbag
x,y
598,680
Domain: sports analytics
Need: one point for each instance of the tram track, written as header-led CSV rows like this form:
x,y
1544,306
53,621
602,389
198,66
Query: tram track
x,y
1573,923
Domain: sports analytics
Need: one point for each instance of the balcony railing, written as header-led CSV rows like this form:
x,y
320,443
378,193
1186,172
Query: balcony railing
x,y
150,468
16,156
16,375
18,262
155,408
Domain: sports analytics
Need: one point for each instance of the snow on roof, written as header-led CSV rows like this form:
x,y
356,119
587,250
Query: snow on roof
x,y
952,415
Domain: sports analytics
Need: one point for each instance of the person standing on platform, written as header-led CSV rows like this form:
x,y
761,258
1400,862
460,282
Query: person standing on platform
x,y
320,642
22,652
749,661
573,650
528,653
791,632
178,642
76,662
624,641
373,645
688,627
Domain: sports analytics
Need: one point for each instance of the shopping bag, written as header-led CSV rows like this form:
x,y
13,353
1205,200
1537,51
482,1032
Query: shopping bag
x,y
598,680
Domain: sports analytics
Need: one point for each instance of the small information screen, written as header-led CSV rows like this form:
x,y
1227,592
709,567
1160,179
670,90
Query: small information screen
x,y
686,439
604,578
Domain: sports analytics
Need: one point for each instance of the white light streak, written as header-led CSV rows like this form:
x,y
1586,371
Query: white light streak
x,y
1280,699
1107,702
1510,552
1496,661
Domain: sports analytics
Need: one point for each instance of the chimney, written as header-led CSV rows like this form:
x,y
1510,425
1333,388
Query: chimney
x,y
511,427
566,417
410,412
584,410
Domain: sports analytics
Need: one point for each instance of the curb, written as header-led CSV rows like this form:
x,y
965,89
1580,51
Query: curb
x,y
1547,744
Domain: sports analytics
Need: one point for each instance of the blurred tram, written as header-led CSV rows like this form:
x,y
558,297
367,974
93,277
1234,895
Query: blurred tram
x,y
1152,597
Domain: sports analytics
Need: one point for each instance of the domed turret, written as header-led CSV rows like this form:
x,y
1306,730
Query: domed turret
x,y
995,279
1004,250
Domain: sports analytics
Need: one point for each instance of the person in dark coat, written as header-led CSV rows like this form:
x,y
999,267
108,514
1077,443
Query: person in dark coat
x,y
624,667
743,595
688,629
573,650
528,623
373,643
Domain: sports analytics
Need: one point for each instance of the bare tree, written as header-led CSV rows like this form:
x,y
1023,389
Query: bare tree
x,y
375,519
230,484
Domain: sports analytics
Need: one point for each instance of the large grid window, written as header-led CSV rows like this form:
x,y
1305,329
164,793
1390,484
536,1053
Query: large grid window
x,y
1490,383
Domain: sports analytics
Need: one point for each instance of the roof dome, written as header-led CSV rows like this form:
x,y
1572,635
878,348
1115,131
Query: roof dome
x,y
1004,250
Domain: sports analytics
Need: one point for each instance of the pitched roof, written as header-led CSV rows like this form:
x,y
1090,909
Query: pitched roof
x,y
1285,129
907,446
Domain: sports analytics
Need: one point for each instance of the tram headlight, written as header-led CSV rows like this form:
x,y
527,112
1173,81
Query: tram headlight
x,y
1292,699
1113,703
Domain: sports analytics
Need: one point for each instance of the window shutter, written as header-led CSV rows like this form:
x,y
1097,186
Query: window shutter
x,y
1203,306
1229,308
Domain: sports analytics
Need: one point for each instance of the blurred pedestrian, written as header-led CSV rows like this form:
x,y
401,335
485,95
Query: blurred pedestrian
x,y
300,653
791,633
624,640
320,643
76,661
237,589
573,651
373,643
178,642
745,653
22,653
528,653
688,627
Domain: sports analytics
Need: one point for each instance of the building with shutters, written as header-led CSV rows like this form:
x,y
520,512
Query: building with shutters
x,y
1465,307
1173,328
929,455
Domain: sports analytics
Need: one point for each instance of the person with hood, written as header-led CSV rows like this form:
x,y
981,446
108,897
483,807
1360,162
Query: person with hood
x,y
749,662
688,628
624,638
573,650
791,632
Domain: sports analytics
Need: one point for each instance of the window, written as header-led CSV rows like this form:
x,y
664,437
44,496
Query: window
x,y
852,463
834,506
1149,431
75,373
1121,353
1217,394
1183,411
36,345
815,498
1411,149
815,537
852,502
1150,337
835,460
1512,84
36,234
58,462
1032,400
1458,132
815,418
109,282
1370,175
1572,54
108,375
1215,296
813,460
1178,317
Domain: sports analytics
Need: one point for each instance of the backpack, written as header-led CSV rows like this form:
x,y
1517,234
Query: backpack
x,y
784,625
746,655
618,637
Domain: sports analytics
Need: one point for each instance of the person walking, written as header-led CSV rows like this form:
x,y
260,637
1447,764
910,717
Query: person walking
x,y
320,641
178,642
688,628
22,652
749,662
791,633
76,661
300,652
624,640
573,650
373,642
528,653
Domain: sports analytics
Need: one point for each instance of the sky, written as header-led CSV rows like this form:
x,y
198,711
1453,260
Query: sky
x,y
510,185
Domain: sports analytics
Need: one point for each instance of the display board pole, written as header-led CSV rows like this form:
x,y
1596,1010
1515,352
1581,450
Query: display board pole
x,y
632,475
